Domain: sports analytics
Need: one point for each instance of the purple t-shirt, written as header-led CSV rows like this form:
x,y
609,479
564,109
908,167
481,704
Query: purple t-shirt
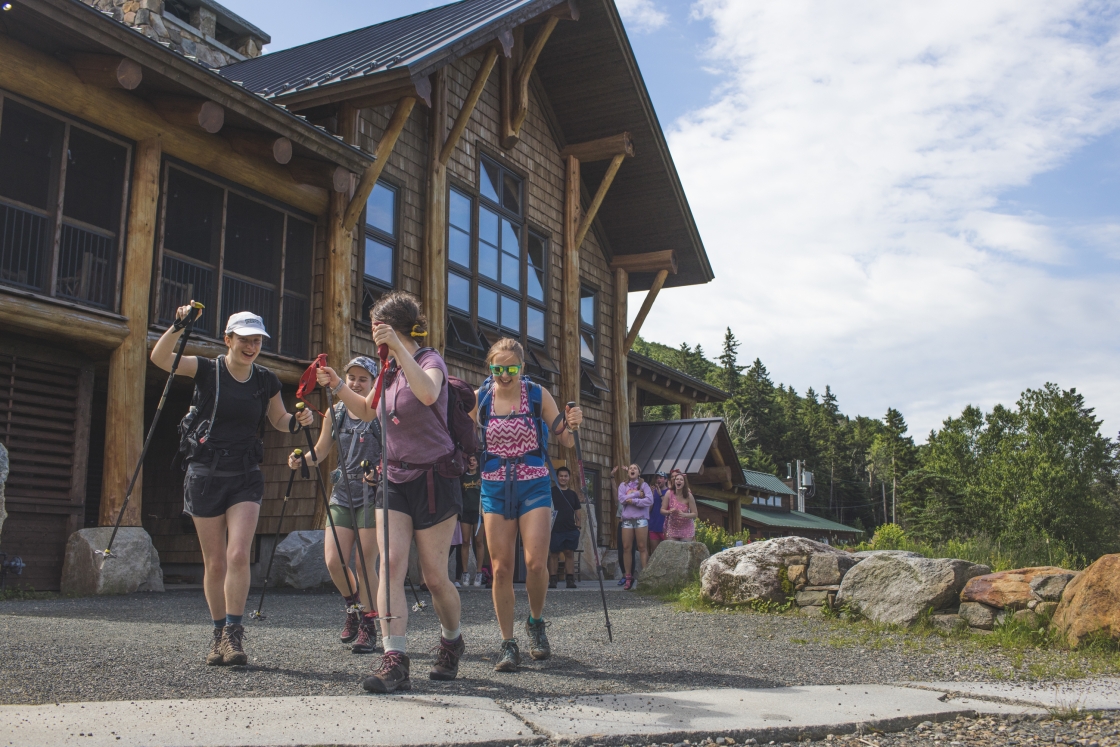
x,y
416,433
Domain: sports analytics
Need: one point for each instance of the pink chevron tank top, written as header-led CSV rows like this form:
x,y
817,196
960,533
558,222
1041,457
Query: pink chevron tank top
x,y
512,437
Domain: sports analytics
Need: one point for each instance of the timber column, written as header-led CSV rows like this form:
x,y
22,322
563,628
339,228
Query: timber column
x,y
337,280
569,328
435,219
124,409
621,375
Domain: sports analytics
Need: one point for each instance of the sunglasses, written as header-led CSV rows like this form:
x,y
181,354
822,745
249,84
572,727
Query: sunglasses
x,y
503,370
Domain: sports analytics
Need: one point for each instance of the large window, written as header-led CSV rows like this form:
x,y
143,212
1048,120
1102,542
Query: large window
x,y
62,198
380,263
235,253
590,382
497,276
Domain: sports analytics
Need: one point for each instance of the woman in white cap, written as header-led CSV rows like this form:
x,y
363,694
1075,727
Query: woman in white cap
x,y
220,440
360,441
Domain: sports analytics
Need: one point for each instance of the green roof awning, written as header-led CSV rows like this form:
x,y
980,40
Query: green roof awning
x,y
784,519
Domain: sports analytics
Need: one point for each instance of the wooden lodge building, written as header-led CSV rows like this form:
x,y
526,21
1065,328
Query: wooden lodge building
x,y
499,158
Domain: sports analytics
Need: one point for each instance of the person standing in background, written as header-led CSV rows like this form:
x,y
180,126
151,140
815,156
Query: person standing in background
x,y
471,483
565,530
656,518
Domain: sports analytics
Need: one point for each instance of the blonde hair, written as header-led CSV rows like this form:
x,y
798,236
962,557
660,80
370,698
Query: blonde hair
x,y
505,345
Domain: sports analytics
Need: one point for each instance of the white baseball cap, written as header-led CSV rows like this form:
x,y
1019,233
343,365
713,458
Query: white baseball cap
x,y
245,323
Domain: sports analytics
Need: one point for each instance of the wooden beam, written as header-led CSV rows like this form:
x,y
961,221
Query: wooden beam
x,y
107,71
190,112
601,149
621,389
686,410
648,262
719,475
56,319
507,68
564,11
569,336
380,158
597,200
124,416
636,414
434,261
468,105
525,71
320,174
260,145
647,304
664,392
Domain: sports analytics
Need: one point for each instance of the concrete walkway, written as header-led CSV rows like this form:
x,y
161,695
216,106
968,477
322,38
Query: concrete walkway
x,y
764,714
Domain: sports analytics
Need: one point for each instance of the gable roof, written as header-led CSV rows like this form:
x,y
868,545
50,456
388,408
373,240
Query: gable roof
x,y
665,445
784,519
766,482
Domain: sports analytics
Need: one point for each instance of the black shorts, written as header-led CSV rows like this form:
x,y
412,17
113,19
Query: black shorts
x,y
471,519
412,498
221,493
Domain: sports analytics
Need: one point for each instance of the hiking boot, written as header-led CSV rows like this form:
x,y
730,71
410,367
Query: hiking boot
x,y
214,658
510,658
390,676
366,640
629,582
447,659
552,582
232,652
353,624
538,640
570,581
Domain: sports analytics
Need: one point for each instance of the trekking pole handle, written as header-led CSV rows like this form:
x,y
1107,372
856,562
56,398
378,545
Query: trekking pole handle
x,y
293,422
196,312
310,444
570,406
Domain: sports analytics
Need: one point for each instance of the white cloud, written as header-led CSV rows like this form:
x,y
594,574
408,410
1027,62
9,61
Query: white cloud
x,y
847,177
642,15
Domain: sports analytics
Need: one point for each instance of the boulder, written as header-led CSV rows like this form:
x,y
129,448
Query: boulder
x,y
739,575
1091,603
1027,617
797,575
1049,588
897,589
978,615
865,554
609,559
672,565
134,565
3,480
812,598
1007,589
299,561
829,569
945,623
1045,610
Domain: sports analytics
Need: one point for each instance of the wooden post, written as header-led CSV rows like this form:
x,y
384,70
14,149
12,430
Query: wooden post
x,y
735,516
597,200
107,70
468,105
636,413
647,304
569,335
435,218
124,407
621,389
686,410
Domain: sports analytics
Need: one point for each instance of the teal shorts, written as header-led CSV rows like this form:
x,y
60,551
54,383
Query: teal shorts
x,y
341,516
528,494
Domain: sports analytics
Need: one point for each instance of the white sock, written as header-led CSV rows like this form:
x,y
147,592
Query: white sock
x,y
451,635
398,643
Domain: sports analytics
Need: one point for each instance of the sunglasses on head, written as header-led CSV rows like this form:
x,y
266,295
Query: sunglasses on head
x,y
503,370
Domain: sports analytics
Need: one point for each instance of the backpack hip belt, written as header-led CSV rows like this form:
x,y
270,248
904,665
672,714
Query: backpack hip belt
x,y
429,473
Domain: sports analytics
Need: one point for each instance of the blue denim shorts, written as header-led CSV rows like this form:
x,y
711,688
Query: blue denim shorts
x,y
529,494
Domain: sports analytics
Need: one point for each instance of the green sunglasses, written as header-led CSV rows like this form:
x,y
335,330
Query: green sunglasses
x,y
503,370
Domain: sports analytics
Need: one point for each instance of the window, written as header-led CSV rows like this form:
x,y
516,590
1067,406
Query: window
x,y
61,207
590,383
497,267
235,253
380,264
768,500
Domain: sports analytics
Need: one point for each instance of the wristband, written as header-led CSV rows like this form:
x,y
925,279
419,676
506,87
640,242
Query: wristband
x,y
338,388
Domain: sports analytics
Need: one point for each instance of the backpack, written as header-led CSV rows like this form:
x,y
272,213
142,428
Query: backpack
x,y
460,402
538,457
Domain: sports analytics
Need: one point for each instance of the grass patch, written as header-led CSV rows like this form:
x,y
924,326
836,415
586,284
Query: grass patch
x,y
23,593
691,599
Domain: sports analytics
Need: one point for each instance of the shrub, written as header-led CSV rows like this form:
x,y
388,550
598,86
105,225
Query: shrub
x,y
717,538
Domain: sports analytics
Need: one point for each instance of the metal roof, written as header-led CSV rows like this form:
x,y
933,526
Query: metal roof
x,y
664,445
766,482
784,519
407,42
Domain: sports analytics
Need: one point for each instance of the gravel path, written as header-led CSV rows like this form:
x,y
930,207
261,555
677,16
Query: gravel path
x,y
152,646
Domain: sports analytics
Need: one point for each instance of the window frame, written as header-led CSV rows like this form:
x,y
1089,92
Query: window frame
x,y
277,340
370,284
56,202
591,384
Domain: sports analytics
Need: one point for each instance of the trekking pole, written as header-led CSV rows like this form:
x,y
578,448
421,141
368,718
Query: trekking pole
x,y
180,324
276,540
592,527
321,489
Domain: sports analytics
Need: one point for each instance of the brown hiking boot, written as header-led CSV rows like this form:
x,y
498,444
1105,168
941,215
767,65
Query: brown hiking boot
x,y
538,640
390,676
570,581
447,659
232,652
350,630
214,658
366,641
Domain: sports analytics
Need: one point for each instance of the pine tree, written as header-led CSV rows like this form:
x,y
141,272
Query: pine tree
x,y
728,360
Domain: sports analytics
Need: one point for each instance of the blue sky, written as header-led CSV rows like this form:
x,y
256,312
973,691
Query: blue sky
x,y
920,199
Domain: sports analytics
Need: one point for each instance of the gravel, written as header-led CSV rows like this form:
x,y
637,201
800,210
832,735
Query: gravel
x,y
152,646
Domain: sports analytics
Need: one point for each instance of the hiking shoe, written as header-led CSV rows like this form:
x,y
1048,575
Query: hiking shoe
x,y
627,583
214,658
390,676
350,630
458,585
552,582
538,640
232,652
366,640
447,659
570,581
510,658
622,581
477,579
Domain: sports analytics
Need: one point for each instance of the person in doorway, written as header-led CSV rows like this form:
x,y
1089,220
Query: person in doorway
x,y
656,518
634,500
423,500
679,509
471,485
359,441
515,415
565,530
233,397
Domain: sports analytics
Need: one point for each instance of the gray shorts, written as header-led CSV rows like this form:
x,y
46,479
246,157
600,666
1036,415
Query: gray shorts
x,y
634,523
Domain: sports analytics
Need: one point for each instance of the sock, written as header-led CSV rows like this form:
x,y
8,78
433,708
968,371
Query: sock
x,y
233,619
220,623
451,635
398,643
533,621
351,600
